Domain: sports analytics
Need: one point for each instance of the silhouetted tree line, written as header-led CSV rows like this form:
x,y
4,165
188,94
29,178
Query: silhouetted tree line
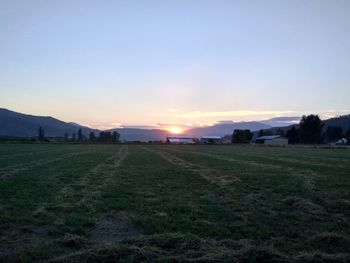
x,y
334,133
106,136
310,131
264,133
293,135
110,137
242,136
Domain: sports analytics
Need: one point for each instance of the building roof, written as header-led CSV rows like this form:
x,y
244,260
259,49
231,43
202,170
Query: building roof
x,y
181,140
270,137
178,137
211,137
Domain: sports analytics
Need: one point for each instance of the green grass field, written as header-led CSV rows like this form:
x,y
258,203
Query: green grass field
x,y
116,203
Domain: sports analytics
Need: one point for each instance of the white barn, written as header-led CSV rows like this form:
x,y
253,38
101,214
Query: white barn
x,y
180,139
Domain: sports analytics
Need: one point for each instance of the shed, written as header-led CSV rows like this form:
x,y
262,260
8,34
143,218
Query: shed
x,y
342,141
272,140
211,139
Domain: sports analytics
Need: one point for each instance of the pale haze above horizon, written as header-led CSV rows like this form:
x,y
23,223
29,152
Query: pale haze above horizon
x,y
112,63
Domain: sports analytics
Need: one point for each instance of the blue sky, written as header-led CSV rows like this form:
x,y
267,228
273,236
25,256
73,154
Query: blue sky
x,y
110,63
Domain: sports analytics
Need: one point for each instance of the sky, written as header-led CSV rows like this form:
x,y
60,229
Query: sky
x,y
182,62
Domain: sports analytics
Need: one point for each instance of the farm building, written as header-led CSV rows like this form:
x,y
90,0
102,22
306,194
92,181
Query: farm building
x,y
211,139
180,139
342,141
272,140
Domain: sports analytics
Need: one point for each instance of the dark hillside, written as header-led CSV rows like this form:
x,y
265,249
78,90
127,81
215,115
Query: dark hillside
x,y
23,125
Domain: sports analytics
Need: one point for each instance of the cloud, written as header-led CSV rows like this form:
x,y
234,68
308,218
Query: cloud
x,y
208,114
173,110
104,125
224,122
333,113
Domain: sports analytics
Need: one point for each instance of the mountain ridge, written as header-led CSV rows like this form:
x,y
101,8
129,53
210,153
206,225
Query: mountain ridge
x,y
25,125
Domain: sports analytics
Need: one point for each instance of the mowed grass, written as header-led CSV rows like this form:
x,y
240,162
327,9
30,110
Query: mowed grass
x,y
168,203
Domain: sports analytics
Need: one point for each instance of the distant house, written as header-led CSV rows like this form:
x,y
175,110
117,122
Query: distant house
x,y
180,139
342,141
211,140
272,140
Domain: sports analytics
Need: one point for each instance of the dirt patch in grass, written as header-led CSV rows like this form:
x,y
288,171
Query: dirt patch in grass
x,y
113,229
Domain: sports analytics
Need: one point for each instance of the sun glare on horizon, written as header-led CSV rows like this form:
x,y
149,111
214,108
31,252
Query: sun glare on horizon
x,y
175,130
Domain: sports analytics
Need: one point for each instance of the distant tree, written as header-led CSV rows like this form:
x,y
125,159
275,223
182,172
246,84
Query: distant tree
x,y
264,133
115,136
268,133
108,137
293,135
80,135
281,132
249,135
322,138
101,136
105,137
334,133
310,129
347,133
242,136
41,134
92,136
66,136
74,137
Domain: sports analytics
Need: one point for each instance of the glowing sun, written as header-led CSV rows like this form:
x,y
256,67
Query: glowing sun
x,y
175,130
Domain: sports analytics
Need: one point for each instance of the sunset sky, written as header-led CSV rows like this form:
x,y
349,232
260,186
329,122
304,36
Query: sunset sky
x,y
112,63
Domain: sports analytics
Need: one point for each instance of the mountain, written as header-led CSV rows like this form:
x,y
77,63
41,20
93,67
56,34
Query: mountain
x,y
222,129
341,121
135,134
23,125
